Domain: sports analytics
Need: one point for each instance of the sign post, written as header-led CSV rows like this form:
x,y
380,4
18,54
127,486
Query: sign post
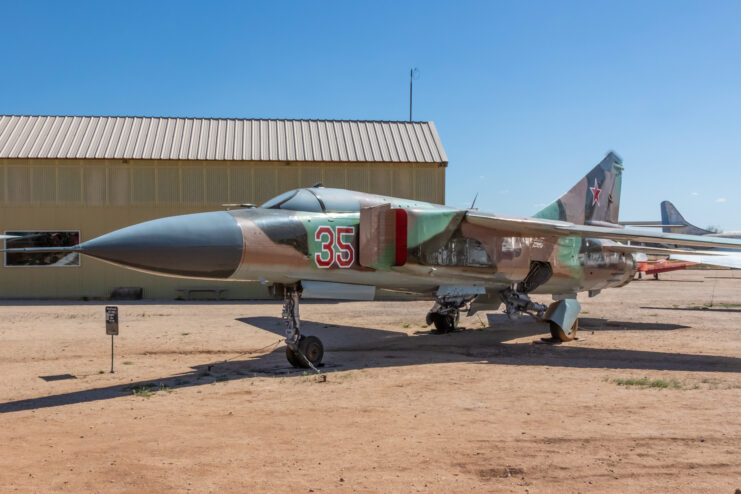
x,y
111,326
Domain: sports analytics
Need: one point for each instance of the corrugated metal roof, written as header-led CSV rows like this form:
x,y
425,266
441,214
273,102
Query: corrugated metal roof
x,y
156,138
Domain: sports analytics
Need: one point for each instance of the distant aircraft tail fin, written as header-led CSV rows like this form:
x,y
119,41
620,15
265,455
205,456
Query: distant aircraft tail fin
x,y
670,216
595,199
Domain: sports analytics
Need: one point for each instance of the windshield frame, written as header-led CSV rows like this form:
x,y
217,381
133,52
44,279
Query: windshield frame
x,y
303,197
277,201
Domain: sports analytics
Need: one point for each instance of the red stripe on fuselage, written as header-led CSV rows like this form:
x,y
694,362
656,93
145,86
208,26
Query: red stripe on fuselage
x,y
401,237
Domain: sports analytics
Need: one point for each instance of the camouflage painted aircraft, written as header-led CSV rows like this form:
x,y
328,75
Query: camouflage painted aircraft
x,y
320,242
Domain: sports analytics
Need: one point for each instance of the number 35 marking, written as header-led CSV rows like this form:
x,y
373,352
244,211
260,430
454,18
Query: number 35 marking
x,y
336,246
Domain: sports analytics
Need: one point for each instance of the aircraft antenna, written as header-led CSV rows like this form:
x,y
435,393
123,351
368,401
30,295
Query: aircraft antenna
x,y
413,74
474,200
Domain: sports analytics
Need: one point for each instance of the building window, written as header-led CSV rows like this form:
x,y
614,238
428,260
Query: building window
x,y
42,239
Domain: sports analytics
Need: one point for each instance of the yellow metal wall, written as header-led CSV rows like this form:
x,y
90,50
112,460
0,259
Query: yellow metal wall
x,y
98,196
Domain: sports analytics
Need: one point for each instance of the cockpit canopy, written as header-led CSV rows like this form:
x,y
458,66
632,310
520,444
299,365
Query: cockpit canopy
x,y
324,199
295,200
321,199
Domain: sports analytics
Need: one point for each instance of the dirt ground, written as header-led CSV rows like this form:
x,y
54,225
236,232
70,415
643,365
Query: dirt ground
x,y
203,400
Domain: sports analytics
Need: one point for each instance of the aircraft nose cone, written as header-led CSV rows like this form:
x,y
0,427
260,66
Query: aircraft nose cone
x,y
206,245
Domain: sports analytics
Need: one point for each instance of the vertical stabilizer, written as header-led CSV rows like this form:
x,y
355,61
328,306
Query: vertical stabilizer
x,y
594,199
674,222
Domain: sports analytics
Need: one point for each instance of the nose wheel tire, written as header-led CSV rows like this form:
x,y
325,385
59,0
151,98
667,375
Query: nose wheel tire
x,y
293,358
559,334
312,349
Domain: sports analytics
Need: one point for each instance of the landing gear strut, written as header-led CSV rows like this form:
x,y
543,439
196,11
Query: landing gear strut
x,y
561,316
516,299
518,303
302,352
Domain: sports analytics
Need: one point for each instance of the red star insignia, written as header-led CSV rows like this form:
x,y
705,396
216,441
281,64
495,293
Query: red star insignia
x,y
596,191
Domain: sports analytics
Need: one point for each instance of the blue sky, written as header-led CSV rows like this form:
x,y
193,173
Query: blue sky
x,y
526,96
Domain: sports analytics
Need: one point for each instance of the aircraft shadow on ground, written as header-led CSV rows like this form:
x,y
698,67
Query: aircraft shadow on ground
x,y
146,302
599,324
663,280
702,309
378,348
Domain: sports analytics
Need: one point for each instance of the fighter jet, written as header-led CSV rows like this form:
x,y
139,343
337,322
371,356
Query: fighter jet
x,y
673,221
319,242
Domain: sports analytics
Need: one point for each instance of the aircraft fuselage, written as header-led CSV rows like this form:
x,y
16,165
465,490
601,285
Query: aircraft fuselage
x,y
286,246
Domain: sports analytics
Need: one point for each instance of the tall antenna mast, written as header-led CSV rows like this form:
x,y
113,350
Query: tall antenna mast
x,y
413,74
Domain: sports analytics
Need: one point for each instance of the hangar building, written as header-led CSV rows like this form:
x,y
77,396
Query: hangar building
x,y
65,179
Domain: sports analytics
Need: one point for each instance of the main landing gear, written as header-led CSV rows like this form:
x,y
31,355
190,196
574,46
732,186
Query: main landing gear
x,y
444,317
563,319
559,335
561,316
446,312
302,352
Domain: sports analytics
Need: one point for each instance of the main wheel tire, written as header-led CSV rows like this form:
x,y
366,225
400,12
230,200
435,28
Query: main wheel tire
x,y
559,334
294,358
446,323
313,350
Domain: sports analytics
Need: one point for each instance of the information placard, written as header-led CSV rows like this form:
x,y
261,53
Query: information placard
x,y
111,320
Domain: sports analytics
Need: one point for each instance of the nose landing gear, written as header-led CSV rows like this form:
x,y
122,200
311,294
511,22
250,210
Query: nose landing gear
x,y
310,349
302,352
